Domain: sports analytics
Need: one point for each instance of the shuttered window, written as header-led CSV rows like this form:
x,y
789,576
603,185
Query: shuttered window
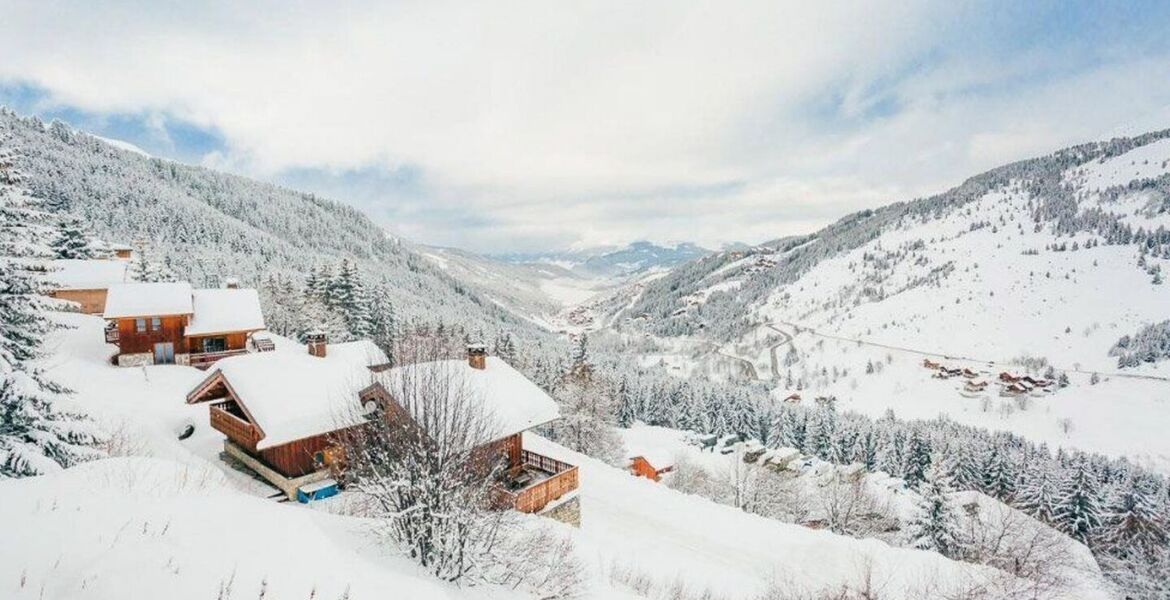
x,y
140,325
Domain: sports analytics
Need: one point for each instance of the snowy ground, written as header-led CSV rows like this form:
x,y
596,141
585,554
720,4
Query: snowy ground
x,y
172,520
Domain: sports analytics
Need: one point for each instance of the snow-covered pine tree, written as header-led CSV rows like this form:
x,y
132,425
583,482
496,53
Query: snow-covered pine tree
x,y
1040,491
1078,509
73,240
347,290
935,525
917,459
145,268
37,435
1133,523
997,473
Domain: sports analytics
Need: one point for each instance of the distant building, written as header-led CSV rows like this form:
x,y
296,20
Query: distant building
x,y
651,464
86,282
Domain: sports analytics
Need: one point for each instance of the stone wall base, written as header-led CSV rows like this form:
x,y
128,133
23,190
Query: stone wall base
x,y
568,511
140,359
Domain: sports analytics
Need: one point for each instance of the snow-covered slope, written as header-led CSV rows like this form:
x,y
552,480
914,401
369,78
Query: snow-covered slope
x,y
613,261
168,517
1042,263
208,226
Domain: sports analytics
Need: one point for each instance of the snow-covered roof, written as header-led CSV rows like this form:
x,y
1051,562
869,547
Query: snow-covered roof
x,y
148,299
361,352
222,310
292,396
509,399
78,274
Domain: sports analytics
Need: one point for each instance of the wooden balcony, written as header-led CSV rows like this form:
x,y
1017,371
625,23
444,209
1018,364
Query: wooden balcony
x,y
545,480
236,429
202,360
111,335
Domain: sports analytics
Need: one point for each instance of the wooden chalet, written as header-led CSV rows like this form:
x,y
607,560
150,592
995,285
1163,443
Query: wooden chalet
x,y
515,404
165,323
1036,381
285,414
651,464
86,282
975,385
1006,377
793,398
929,364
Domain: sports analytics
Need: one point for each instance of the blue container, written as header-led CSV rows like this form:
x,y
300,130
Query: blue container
x,y
316,491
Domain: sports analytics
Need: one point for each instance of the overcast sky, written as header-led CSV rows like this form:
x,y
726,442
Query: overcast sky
x,y
512,126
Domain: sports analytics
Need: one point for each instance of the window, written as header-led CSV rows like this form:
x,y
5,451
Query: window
x,y
155,323
216,344
140,325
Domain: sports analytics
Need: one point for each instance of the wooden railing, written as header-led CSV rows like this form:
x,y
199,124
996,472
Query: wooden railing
x,y
112,335
235,428
538,495
203,360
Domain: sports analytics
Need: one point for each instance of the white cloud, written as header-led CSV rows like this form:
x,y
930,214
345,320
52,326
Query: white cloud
x,y
560,122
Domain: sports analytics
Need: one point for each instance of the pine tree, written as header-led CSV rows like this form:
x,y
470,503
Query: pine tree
x,y
917,460
998,477
935,525
37,435
1039,494
1078,510
349,298
1133,524
72,240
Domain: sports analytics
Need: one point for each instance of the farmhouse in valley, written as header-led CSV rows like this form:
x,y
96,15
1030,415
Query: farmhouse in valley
x,y
165,323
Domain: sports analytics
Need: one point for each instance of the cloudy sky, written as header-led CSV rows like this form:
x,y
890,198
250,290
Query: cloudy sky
x,y
518,126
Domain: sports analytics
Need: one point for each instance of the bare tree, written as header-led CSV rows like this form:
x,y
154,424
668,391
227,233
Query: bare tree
x,y
425,465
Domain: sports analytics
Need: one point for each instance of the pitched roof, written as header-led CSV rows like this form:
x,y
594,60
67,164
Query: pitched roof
x,y
292,396
78,274
509,399
148,299
222,310
361,352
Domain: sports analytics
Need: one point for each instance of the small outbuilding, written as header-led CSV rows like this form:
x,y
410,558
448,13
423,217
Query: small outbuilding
x,y
651,464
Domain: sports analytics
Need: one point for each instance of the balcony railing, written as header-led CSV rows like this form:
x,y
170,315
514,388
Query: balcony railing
x,y
112,335
561,479
235,428
203,360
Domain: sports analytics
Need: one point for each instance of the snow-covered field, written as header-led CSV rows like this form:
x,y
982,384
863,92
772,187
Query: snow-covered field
x,y
170,519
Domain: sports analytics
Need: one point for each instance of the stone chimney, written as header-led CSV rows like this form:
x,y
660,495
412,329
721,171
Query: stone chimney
x,y
231,283
477,356
316,341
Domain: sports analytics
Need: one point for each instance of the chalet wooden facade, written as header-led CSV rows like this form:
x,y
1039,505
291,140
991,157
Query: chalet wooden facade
x,y
289,413
86,282
165,323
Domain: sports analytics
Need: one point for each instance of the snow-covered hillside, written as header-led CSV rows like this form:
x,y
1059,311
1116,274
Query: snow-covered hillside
x,y
168,517
207,226
609,262
1037,267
